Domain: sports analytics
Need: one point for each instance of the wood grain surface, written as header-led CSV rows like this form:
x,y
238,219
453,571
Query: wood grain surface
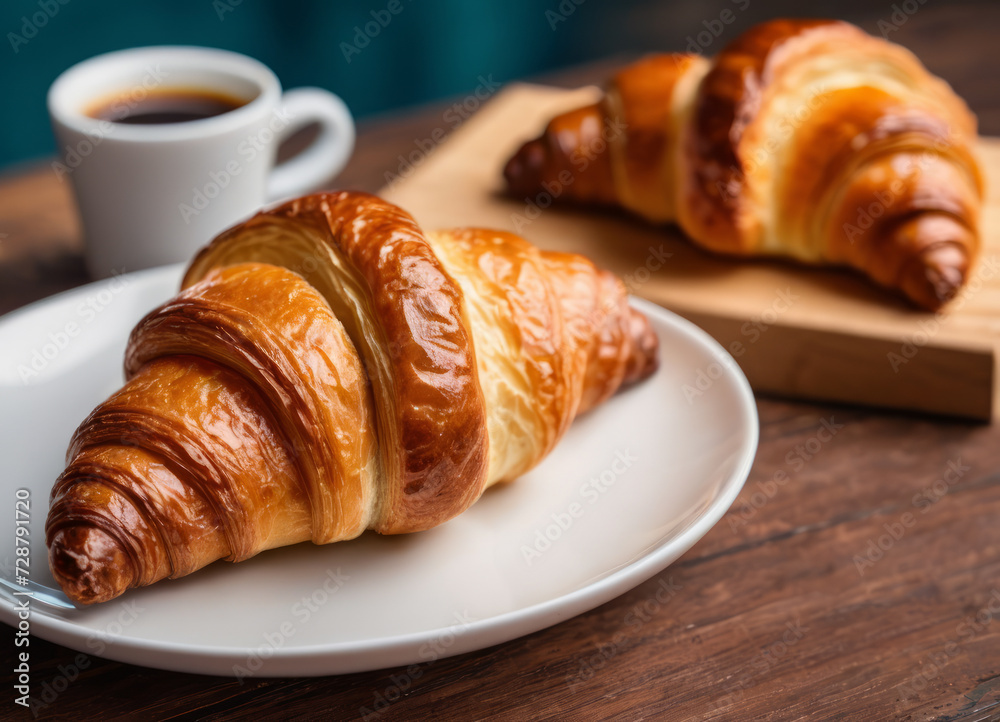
x,y
855,578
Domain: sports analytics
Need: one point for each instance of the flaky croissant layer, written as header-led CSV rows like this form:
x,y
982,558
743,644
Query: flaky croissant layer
x,y
329,368
808,139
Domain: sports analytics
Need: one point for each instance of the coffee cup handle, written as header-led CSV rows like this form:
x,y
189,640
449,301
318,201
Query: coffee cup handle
x,y
327,155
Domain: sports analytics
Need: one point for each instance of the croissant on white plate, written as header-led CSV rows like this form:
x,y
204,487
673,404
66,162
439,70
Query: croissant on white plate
x,y
808,139
329,368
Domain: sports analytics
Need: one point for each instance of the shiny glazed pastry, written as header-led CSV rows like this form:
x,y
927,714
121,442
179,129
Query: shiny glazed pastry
x,y
808,139
329,368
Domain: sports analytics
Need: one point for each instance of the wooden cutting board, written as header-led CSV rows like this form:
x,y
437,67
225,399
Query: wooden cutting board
x,y
794,330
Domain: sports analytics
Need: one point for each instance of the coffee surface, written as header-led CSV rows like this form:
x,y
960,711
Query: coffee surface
x,y
165,106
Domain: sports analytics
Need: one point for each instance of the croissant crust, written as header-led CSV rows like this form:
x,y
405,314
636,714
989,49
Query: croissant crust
x,y
327,368
808,139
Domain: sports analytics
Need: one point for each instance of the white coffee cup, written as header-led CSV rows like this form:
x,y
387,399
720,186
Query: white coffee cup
x,y
153,194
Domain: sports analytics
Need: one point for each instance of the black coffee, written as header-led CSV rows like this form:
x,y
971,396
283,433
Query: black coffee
x,y
165,106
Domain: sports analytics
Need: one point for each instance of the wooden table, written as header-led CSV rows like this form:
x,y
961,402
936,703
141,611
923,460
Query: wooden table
x,y
856,577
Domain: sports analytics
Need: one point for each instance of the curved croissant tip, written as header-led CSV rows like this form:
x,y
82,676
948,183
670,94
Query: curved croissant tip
x,y
523,171
936,275
90,565
645,357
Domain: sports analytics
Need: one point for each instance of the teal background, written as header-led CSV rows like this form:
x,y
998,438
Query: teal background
x,y
429,50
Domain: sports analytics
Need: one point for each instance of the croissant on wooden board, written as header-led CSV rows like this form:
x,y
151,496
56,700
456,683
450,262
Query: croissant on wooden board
x,y
329,368
808,139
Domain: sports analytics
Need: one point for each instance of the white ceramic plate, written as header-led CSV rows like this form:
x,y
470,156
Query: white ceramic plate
x,y
632,486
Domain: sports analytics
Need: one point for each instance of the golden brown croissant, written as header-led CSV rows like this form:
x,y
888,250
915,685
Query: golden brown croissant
x,y
330,368
808,139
